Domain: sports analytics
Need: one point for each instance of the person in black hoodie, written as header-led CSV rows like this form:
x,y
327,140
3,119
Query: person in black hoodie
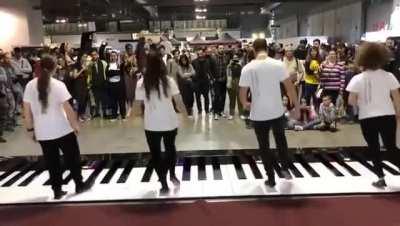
x,y
116,87
201,81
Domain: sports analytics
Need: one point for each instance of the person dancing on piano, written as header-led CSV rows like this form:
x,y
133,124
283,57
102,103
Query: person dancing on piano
x,y
50,120
263,77
376,94
156,90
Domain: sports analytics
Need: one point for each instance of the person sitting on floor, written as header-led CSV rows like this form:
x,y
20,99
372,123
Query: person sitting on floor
x,y
327,115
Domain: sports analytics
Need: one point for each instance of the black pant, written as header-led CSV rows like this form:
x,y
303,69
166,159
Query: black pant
x,y
202,88
100,99
160,164
262,129
310,92
51,153
187,95
219,96
385,126
116,92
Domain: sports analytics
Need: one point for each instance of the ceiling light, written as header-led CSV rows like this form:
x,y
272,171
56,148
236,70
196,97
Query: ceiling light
x,y
198,17
200,0
200,10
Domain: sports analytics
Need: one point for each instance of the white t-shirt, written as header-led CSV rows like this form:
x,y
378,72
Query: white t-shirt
x,y
159,113
263,77
373,91
52,124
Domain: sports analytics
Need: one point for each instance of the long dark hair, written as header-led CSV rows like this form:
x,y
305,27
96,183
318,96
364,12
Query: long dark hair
x,y
156,73
48,65
310,58
184,57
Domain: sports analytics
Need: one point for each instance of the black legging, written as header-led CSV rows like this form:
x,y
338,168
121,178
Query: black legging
x,y
187,91
385,126
161,165
262,129
51,153
202,88
117,99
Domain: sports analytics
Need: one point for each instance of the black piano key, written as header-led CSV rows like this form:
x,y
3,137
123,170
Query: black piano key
x,y
340,161
29,179
68,178
295,171
12,169
98,168
187,164
147,173
238,168
107,178
201,168
253,166
276,167
324,160
216,168
359,158
390,169
128,166
24,170
306,166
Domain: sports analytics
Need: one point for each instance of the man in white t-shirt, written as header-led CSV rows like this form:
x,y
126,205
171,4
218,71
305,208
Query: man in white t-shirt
x,y
263,77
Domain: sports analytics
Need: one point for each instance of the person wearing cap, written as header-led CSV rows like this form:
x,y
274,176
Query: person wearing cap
x,y
234,71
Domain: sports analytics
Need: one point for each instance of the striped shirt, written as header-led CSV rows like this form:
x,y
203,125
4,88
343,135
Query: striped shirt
x,y
332,76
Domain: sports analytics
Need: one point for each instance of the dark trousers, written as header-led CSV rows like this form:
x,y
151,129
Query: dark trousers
x,y
162,163
234,97
310,93
187,95
51,154
100,99
219,96
262,129
3,114
385,126
202,88
117,99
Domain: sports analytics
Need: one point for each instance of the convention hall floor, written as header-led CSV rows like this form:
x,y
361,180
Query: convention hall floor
x,y
201,133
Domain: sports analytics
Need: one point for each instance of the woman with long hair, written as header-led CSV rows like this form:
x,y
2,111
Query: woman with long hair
x,y
116,87
50,120
311,77
157,91
185,75
376,93
129,67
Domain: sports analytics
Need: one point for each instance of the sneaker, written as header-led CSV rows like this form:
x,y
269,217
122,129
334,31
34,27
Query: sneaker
x,y
298,128
2,140
113,119
59,194
381,183
270,183
230,117
81,119
223,115
242,117
287,175
216,117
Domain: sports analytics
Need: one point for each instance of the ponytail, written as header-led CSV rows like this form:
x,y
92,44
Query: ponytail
x,y
48,64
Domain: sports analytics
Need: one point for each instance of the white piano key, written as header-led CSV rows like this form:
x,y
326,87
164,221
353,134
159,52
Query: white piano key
x,y
40,179
9,177
116,176
303,171
194,173
361,169
209,173
341,169
24,177
322,170
247,171
178,172
136,175
101,176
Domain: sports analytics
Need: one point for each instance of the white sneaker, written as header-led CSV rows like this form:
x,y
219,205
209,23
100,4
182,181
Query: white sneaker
x,y
216,117
242,117
223,115
190,117
230,117
298,128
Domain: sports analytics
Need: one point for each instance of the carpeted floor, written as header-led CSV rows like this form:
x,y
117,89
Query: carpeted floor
x,y
326,211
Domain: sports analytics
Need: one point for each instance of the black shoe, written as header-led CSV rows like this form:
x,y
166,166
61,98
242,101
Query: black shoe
x,y
81,187
286,174
2,140
270,183
164,190
59,194
175,180
381,183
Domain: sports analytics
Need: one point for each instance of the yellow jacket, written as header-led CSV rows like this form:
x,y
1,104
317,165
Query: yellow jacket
x,y
313,78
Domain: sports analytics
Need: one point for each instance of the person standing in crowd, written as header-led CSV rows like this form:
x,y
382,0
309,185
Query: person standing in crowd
x,y
130,70
164,41
332,77
3,99
301,50
234,71
66,52
262,77
98,84
164,55
23,68
185,81
201,81
80,91
219,82
50,120
173,65
311,79
296,70
393,66
375,92
140,54
157,90
116,88
13,93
